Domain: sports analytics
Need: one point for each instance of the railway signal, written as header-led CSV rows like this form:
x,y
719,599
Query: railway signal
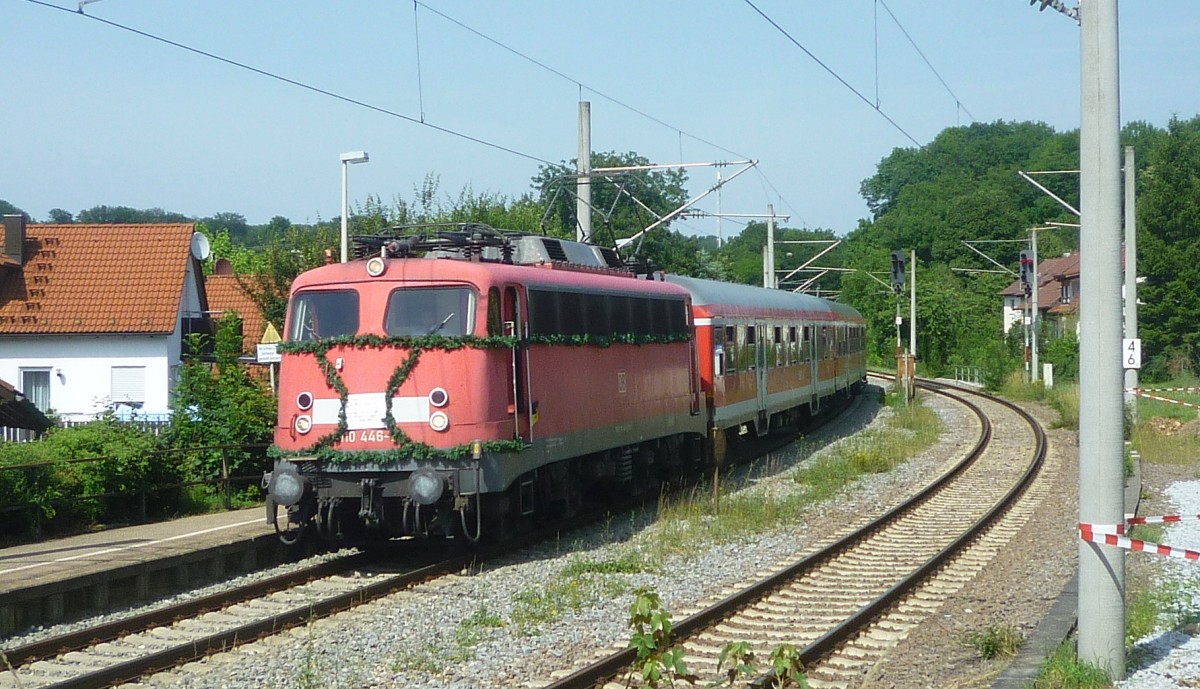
x,y
1027,271
897,270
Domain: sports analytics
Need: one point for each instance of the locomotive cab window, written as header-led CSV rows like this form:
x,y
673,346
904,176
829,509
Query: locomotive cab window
x,y
316,315
444,311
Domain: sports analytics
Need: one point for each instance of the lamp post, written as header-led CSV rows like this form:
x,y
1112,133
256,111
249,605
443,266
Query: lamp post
x,y
347,158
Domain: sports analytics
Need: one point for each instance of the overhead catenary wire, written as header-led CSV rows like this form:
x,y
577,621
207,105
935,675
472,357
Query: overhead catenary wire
x,y
957,102
300,84
421,121
679,132
834,74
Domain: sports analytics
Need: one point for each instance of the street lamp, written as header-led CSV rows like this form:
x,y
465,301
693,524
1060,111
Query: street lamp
x,y
347,158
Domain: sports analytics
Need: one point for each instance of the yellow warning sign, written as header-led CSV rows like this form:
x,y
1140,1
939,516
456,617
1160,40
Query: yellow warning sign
x,y
270,335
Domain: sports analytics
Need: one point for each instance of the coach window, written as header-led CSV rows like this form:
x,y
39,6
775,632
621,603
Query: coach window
x,y
317,315
730,349
779,347
747,348
443,311
793,346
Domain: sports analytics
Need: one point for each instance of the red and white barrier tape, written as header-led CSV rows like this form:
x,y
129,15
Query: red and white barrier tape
x,y
1114,535
1141,392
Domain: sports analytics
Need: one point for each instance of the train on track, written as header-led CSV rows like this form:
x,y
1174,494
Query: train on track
x,y
465,381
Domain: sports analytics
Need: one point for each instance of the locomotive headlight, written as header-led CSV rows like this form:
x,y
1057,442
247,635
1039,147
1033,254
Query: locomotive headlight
x,y
286,487
304,400
438,421
303,424
425,486
438,397
376,266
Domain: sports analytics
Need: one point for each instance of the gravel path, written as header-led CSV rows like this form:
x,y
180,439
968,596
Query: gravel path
x,y
1170,657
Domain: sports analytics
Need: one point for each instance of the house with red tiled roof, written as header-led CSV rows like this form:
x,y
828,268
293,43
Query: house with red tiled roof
x,y
226,293
1057,296
92,317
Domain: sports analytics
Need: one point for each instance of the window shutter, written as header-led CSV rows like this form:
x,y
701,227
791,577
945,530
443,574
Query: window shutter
x,y
128,384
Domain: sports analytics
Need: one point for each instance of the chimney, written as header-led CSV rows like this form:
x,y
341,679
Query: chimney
x,y
14,238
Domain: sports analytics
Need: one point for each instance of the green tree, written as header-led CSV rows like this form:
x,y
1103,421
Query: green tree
x,y
110,215
59,216
1168,250
615,214
220,404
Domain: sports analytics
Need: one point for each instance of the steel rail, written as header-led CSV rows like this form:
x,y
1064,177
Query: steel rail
x,y
194,649
616,663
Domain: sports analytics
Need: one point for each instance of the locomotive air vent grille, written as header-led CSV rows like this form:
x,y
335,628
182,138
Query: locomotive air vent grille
x,y
554,249
609,257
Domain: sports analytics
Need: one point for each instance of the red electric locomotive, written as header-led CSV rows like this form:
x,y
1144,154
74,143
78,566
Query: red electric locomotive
x,y
466,381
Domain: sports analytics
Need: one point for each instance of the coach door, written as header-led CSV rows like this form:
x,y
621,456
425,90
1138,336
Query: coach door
x,y
518,374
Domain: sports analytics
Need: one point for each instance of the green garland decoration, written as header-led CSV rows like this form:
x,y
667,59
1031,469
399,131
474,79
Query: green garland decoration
x,y
406,448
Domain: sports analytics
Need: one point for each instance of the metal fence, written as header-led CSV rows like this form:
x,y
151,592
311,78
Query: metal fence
x,y
968,375
155,427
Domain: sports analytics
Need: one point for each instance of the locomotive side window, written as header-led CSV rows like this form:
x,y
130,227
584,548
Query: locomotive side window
x,y
495,324
444,311
323,314
622,320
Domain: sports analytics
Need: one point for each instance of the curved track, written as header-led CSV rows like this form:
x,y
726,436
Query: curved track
x,y
111,653
847,605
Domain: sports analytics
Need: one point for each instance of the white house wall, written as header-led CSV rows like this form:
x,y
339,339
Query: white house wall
x,y
81,368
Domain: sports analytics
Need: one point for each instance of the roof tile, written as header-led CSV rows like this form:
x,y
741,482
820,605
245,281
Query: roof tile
x,y
96,279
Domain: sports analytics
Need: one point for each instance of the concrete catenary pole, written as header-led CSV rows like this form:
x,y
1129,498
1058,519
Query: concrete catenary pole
x,y
1101,422
769,274
1131,322
583,165
912,310
1035,325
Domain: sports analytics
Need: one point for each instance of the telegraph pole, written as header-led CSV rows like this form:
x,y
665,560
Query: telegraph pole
x,y
583,165
1101,422
1131,309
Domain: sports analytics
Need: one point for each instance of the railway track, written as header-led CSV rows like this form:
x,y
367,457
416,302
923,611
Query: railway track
x,y
847,605
142,644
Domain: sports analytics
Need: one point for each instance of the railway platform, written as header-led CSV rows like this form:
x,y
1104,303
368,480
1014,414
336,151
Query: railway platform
x,y
70,578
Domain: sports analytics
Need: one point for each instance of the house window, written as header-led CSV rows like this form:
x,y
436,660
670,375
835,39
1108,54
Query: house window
x,y
128,385
35,384
1065,297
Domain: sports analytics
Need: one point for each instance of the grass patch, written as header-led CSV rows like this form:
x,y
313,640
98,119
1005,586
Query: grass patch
x,y
1063,670
1160,443
1065,400
1016,387
548,602
996,641
694,520
469,633
628,562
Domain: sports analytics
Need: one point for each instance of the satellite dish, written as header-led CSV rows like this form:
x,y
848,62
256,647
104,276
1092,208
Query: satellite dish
x,y
201,249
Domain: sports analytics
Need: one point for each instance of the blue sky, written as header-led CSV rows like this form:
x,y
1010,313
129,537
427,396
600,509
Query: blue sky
x,y
98,115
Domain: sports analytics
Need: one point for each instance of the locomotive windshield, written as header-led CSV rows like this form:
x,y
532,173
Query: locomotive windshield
x,y
445,311
323,314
